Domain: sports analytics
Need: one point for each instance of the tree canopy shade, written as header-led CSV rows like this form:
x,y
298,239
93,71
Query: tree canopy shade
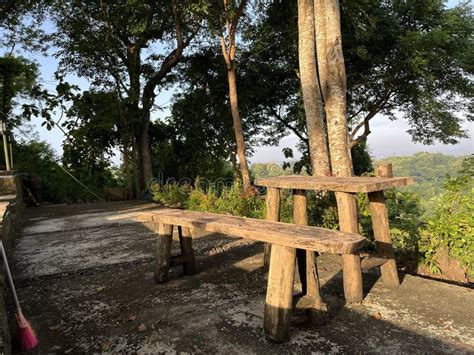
x,y
17,79
130,48
411,59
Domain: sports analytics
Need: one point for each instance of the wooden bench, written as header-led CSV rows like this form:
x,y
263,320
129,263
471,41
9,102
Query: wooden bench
x,y
285,239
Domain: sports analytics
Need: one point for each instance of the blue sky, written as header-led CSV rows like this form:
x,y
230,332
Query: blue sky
x,y
388,138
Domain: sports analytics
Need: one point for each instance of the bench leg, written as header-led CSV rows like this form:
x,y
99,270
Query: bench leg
x,y
186,242
352,272
312,302
163,252
273,214
279,301
383,241
317,310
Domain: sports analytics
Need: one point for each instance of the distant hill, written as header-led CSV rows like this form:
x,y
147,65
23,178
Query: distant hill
x,y
428,170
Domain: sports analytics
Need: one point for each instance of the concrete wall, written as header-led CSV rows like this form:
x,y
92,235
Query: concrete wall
x,y
11,208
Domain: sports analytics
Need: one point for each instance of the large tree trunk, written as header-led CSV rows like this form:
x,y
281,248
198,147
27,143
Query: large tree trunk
x,y
333,83
313,104
136,165
239,136
318,150
126,167
145,151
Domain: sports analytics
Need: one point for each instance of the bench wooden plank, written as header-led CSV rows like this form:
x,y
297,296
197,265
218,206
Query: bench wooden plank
x,y
332,183
290,235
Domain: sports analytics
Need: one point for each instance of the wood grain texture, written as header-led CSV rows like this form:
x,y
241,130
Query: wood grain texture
x,y
300,217
279,300
302,237
311,301
163,252
186,243
273,214
351,268
331,183
383,241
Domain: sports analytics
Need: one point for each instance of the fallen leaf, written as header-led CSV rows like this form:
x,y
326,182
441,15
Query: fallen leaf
x,y
106,345
142,327
132,318
100,289
55,327
377,315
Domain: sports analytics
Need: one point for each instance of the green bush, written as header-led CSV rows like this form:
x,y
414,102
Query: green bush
x,y
172,195
231,200
452,225
38,158
404,215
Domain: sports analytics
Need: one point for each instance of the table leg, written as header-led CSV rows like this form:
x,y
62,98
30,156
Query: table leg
x,y
273,214
300,216
307,265
351,269
383,241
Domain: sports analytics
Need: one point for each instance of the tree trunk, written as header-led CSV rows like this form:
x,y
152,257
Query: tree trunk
x,y
136,163
333,83
126,168
313,104
320,27
239,136
333,75
235,166
145,152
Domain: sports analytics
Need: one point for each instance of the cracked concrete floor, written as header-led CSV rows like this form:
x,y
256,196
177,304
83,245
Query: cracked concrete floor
x,y
84,274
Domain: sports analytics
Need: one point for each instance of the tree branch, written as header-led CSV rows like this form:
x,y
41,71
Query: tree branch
x,y
287,125
374,110
169,62
238,14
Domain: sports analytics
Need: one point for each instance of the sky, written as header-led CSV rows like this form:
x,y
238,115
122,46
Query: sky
x,y
388,138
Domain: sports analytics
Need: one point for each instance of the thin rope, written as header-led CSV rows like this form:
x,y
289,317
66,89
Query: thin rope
x,y
64,169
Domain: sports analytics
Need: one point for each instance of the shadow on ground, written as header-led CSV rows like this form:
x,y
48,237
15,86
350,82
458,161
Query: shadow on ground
x,y
91,289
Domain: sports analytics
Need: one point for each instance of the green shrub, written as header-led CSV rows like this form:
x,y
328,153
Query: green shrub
x,y
404,215
231,200
172,195
452,225
200,200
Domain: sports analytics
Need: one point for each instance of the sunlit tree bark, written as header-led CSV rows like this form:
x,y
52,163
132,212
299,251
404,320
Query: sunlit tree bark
x,y
312,99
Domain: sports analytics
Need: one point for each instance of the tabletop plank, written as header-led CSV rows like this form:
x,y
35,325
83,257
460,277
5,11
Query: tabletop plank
x,y
331,183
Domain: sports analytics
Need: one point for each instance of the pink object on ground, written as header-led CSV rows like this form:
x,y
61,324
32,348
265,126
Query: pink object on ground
x,y
25,335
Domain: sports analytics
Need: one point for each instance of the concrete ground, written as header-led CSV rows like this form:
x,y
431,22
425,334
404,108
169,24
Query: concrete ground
x,y
84,275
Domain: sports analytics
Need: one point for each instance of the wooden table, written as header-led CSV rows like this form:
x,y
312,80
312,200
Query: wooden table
x,y
374,187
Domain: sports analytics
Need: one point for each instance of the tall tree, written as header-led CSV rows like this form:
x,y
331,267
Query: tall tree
x,y
405,60
332,77
230,20
119,46
313,103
